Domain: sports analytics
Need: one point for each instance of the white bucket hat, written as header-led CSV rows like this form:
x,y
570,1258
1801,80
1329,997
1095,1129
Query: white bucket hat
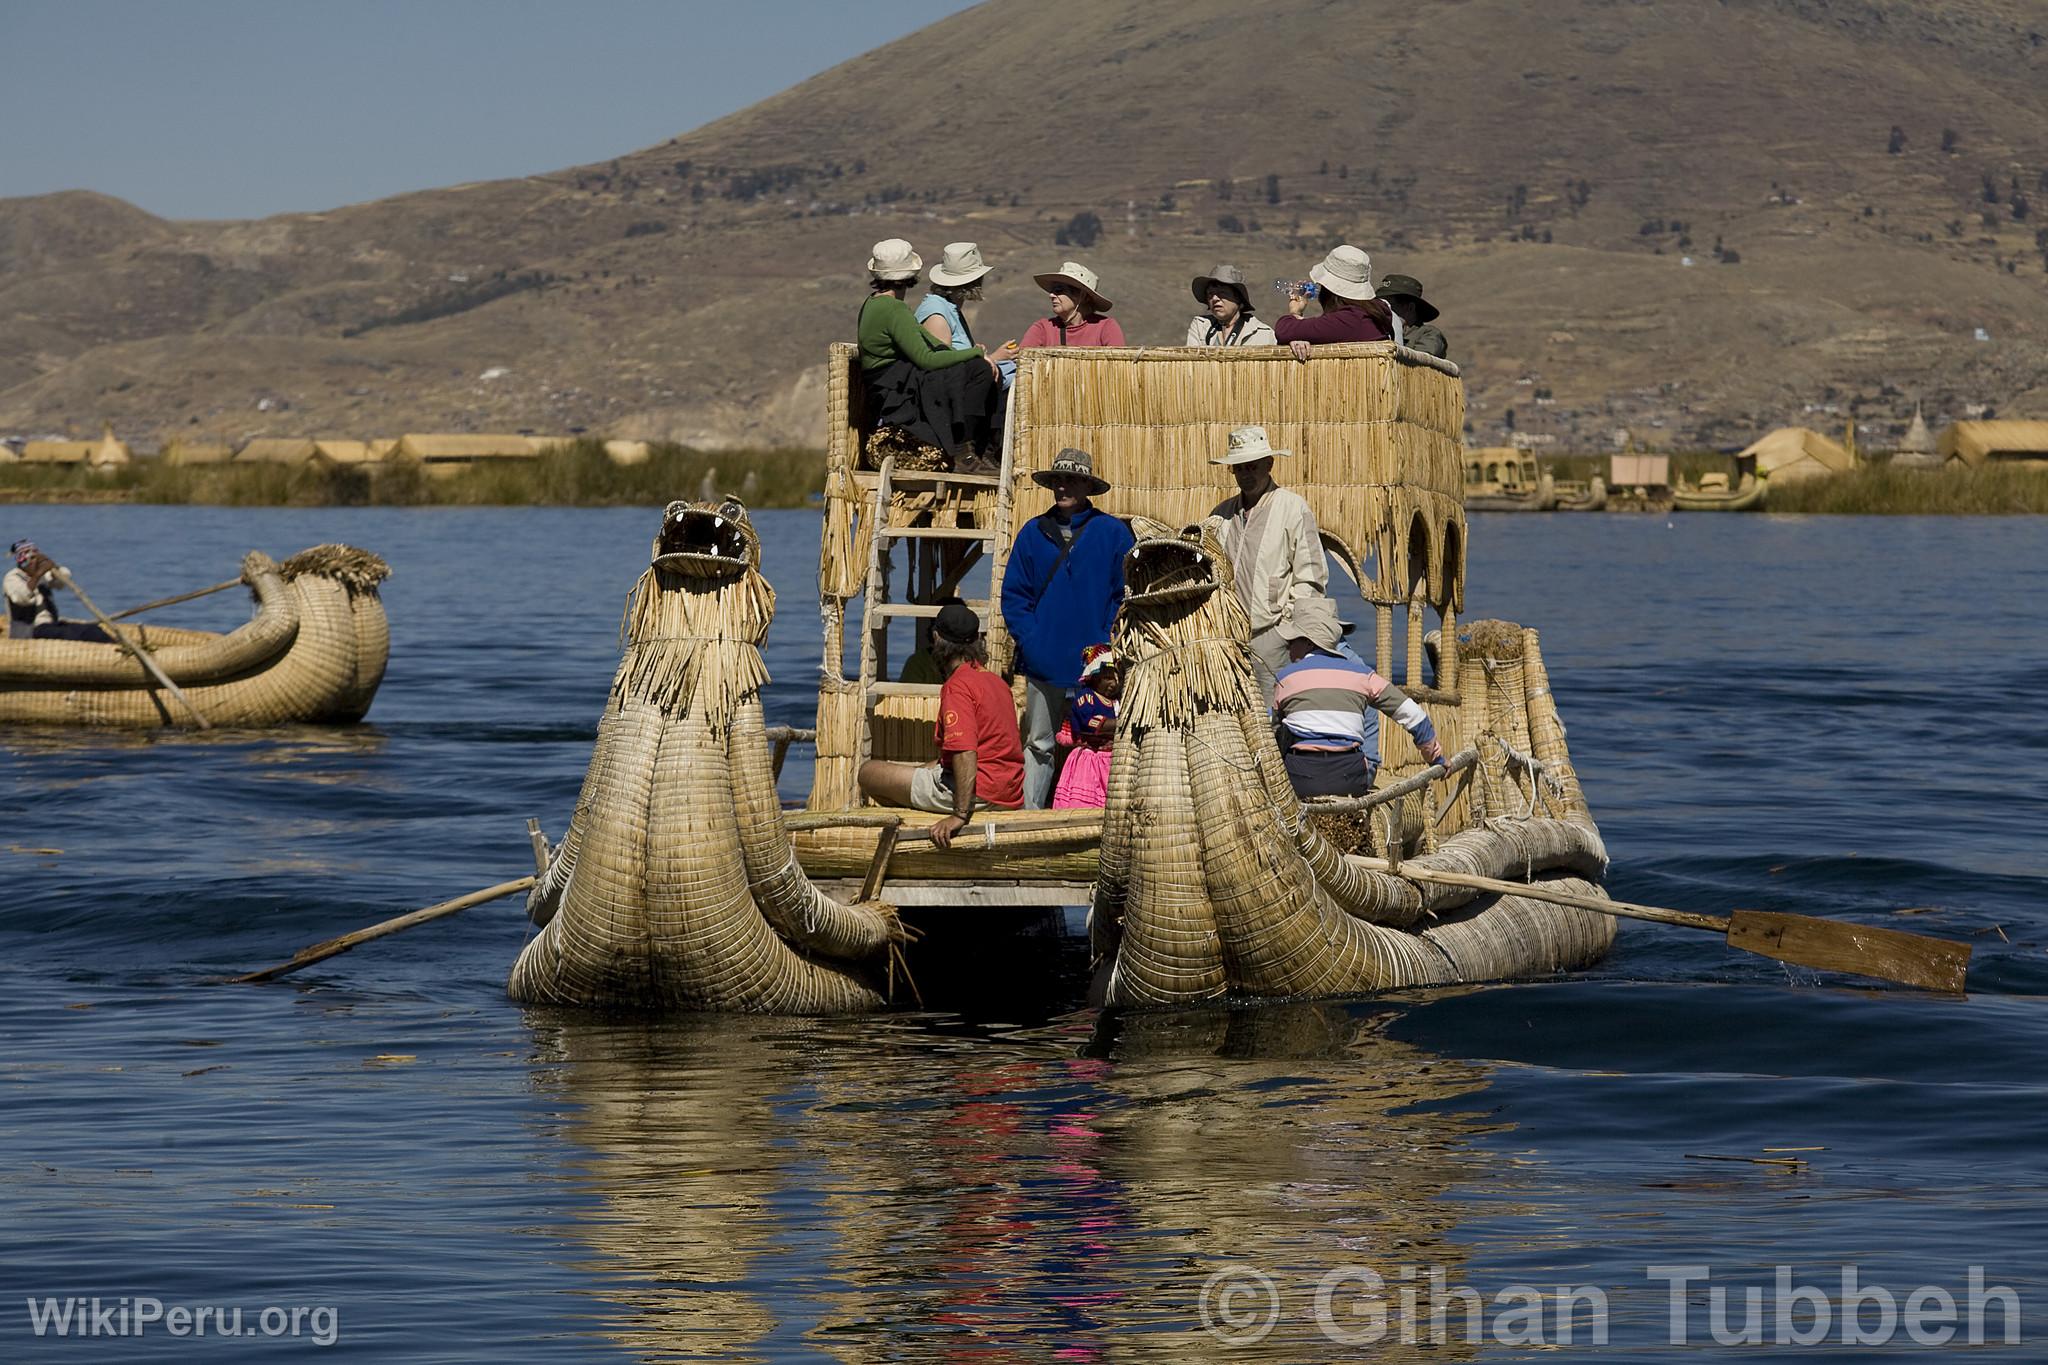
x,y
1315,620
1079,276
1345,272
894,259
1248,444
961,265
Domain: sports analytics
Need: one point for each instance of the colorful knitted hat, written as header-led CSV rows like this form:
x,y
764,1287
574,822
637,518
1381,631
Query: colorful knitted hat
x,y
1095,658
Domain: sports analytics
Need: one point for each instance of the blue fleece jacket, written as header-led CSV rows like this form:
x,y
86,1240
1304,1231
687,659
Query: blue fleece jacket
x,y
1054,614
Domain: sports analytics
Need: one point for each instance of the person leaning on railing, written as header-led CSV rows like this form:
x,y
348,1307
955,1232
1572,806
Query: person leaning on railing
x,y
1327,702
1343,282
1078,316
944,398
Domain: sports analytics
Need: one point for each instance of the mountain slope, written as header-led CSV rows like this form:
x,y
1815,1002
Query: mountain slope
x,y
1545,169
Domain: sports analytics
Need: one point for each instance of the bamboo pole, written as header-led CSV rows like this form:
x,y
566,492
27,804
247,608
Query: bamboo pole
x,y
132,646
173,601
1344,805
333,947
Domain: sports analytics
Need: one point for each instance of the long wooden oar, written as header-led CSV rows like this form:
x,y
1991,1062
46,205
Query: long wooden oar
x,y
134,647
1934,964
173,601
333,947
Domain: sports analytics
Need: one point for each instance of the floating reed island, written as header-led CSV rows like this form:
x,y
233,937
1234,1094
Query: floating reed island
x,y
313,650
683,883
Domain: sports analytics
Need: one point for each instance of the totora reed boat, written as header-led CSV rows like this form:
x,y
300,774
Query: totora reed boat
x,y
683,883
313,650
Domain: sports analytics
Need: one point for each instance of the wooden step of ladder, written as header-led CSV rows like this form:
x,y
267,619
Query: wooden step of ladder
x,y
877,611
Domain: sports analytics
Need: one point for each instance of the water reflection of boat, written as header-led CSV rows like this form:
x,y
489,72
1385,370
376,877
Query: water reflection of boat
x,y
754,1193
314,651
682,884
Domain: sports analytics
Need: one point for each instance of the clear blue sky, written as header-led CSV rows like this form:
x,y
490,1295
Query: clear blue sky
x,y
241,108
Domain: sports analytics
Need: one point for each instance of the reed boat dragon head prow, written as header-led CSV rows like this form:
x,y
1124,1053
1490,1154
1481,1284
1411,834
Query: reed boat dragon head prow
x,y
1168,568
706,540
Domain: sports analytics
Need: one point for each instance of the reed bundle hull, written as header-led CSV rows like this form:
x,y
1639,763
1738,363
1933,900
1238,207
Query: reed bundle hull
x,y
314,651
1746,497
676,887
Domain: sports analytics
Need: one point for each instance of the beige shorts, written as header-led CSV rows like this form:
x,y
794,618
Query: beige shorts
x,y
931,788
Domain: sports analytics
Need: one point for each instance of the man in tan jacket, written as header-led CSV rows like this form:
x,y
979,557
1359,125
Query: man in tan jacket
x,y
1275,549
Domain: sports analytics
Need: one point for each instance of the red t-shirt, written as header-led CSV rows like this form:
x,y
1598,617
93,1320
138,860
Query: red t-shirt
x,y
1097,332
976,712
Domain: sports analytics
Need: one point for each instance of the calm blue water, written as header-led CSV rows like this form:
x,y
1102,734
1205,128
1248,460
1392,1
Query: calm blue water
x,y
1840,717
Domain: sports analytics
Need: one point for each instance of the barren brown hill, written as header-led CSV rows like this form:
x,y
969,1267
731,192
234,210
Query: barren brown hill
x,y
1858,186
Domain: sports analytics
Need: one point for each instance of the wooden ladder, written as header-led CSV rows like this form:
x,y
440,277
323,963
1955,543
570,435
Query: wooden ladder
x,y
935,570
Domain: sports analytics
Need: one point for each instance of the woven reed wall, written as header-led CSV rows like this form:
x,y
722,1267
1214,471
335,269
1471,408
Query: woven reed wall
x,y
1376,436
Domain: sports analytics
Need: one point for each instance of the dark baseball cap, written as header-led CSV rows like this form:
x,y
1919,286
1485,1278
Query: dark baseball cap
x,y
958,623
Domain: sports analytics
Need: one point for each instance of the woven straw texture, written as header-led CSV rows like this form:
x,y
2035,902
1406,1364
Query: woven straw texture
x,y
1212,883
676,886
314,651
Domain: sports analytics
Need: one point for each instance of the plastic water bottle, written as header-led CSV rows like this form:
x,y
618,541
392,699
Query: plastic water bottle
x,y
1306,288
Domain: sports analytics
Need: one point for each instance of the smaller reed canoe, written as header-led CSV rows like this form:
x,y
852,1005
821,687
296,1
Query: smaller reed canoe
x,y
1747,496
314,651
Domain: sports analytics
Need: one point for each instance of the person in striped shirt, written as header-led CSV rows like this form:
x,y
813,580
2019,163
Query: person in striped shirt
x,y
1329,704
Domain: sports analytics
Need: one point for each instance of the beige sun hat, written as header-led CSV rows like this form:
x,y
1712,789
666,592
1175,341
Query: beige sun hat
x,y
1315,620
1345,272
961,265
895,259
1248,444
1079,276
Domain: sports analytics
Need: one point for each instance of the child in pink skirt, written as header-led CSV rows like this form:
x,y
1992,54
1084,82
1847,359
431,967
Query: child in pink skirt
x,y
1091,720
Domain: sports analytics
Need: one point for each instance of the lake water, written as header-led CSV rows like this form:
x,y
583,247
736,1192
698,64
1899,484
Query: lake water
x,y
1838,717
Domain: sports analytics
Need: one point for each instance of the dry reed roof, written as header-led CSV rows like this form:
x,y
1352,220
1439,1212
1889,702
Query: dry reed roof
x,y
58,452
342,452
1919,440
1797,451
109,450
276,450
627,452
1979,442
465,447
183,452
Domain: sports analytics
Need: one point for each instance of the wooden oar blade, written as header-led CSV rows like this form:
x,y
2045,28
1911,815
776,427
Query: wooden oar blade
x,y
1933,964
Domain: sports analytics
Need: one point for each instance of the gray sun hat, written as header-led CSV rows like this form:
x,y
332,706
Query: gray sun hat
x,y
1073,464
1316,621
1228,276
1248,444
1080,277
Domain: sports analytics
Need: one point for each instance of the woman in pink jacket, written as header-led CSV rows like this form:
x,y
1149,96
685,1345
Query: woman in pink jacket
x,y
1077,311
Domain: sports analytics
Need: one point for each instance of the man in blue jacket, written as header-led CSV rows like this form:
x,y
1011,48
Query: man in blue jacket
x,y
1061,590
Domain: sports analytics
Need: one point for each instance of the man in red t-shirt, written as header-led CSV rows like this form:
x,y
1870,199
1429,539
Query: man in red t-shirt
x,y
981,760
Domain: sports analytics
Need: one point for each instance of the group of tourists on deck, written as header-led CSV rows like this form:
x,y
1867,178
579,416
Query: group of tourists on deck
x,y
1060,593
924,373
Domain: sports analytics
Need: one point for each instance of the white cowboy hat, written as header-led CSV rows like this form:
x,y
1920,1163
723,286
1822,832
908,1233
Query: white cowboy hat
x,y
961,265
893,259
1345,272
1248,444
1079,276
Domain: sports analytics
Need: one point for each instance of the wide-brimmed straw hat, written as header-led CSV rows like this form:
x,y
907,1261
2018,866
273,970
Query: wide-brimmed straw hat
x,y
1248,444
1315,620
1228,277
1081,278
1072,464
960,265
1407,287
1345,272
895,259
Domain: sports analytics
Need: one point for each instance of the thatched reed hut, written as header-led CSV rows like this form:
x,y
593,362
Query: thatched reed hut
x,y
446,455
1790,454
284,450
180,451
2007,442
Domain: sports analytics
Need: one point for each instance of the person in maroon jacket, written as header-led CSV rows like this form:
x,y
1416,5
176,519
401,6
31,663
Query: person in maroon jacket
x,y
1350,312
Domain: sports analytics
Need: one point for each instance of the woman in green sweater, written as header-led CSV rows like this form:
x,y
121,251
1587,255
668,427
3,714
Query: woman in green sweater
x,y
942,397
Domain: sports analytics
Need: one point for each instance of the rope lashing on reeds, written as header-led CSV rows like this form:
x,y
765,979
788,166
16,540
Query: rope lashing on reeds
x,y
676,886
1213,878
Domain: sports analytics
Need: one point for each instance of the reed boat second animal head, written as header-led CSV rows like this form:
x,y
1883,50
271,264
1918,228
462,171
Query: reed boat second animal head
x,y
1167,569
704,540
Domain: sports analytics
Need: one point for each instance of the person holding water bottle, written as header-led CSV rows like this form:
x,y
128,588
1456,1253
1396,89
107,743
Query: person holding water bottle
x,y
1342,283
